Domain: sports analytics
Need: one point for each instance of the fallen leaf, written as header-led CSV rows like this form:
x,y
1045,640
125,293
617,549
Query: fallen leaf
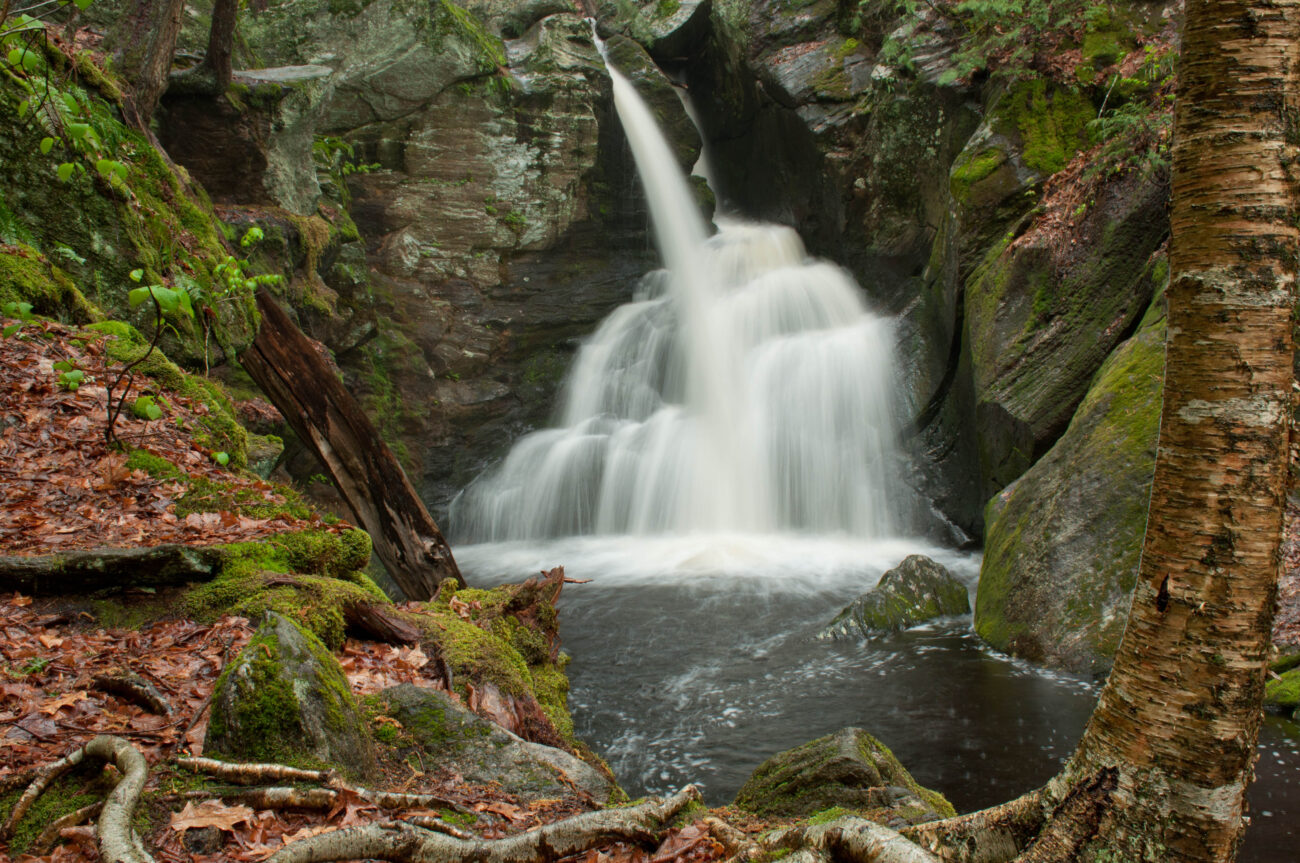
x,y
210,813
67,699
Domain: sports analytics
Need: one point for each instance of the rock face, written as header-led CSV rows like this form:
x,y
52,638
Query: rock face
x,y
1063,541
483,752
849,769
285,699
916,590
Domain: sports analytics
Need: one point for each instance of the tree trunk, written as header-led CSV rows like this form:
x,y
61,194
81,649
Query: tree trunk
x,y
290,370
146,40
221,40
1177,721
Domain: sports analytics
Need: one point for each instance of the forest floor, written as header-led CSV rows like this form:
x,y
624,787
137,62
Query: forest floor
x,y
65,487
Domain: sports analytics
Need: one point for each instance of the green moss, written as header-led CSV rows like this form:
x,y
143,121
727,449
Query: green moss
x,y
1283,692
967,173
26,276
80,787
1051,122
320,587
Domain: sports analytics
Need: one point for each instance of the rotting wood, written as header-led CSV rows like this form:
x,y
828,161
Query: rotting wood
x,y
291,370
380,622
89,570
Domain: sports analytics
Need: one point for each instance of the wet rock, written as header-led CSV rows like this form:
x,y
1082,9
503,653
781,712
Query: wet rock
x,y
916,590
1282,694
848,769
285,699
1063,542
483,752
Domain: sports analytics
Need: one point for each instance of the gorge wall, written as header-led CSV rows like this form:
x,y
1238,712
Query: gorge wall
x,y
449,195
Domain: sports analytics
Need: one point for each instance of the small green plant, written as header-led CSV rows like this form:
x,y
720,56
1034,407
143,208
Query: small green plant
x,y
146,408
166,301
70,377
221,458
21,311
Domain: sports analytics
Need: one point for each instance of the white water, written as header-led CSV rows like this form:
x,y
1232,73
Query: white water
x,y
747,389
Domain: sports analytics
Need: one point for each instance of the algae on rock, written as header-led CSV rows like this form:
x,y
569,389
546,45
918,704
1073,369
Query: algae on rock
x,y
916,590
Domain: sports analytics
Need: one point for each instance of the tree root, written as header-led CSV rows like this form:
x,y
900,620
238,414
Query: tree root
x,y
253,774
133,687
994,835
51,834
40,780
853,839
403,843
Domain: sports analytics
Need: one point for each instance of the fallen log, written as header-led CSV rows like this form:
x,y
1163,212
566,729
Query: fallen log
x,y
89,570
380,623
296,377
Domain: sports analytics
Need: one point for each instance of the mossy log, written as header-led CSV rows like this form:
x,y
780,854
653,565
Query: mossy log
x,y
95,569
290,369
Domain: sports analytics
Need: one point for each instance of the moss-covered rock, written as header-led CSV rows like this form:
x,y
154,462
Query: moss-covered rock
x,y
849,769
1282,693
916,590
285,699
483,752
1062,544
1042,315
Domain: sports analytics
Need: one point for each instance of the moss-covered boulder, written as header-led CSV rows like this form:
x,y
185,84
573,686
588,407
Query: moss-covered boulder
x,y
1062,544
1282,693
285,699
916,590
850,770
483,752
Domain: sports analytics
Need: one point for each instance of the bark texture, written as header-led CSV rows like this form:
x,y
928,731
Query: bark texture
x,y
290,369
1178,718
146,40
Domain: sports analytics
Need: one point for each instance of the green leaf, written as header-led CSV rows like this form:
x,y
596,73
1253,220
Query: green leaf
x,y
24,310
137,275
153,412
221,458
79,131
167,299
10,330
65,171
137,296
145,408
83,5
23,107
64,366
73,385
47,144
70,102
186,306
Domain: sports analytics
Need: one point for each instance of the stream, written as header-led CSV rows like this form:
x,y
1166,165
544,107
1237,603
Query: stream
x,y
695,658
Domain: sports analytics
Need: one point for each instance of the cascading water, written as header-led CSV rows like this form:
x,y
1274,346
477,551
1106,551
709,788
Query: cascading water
x,y
746,389
723,471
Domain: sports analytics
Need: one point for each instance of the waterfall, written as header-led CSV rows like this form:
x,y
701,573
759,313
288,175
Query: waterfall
x,y
746,388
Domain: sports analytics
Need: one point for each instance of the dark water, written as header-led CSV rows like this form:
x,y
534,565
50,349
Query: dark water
x,y
689,677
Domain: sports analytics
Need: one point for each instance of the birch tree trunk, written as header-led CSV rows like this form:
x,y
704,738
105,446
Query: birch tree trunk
x,y
1162,768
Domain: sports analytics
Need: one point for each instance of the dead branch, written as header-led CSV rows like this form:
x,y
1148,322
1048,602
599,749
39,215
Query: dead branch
x,y
133,687
403,843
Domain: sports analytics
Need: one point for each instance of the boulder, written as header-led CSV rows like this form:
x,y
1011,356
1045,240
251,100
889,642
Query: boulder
x,y
1062,544
483,752
285,699
916,590
848,769
1282,694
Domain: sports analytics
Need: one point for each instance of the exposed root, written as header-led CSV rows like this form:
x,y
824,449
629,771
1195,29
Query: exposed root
x,y
42,779
51,834
737,845
118,841
403,843
853,839
428,822
133,687
254,774
993,835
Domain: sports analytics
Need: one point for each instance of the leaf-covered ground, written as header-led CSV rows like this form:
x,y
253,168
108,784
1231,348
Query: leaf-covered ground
x,y
65,488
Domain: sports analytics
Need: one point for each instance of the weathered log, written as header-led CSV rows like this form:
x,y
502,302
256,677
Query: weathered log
x,y
380,623
290,369
88,570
